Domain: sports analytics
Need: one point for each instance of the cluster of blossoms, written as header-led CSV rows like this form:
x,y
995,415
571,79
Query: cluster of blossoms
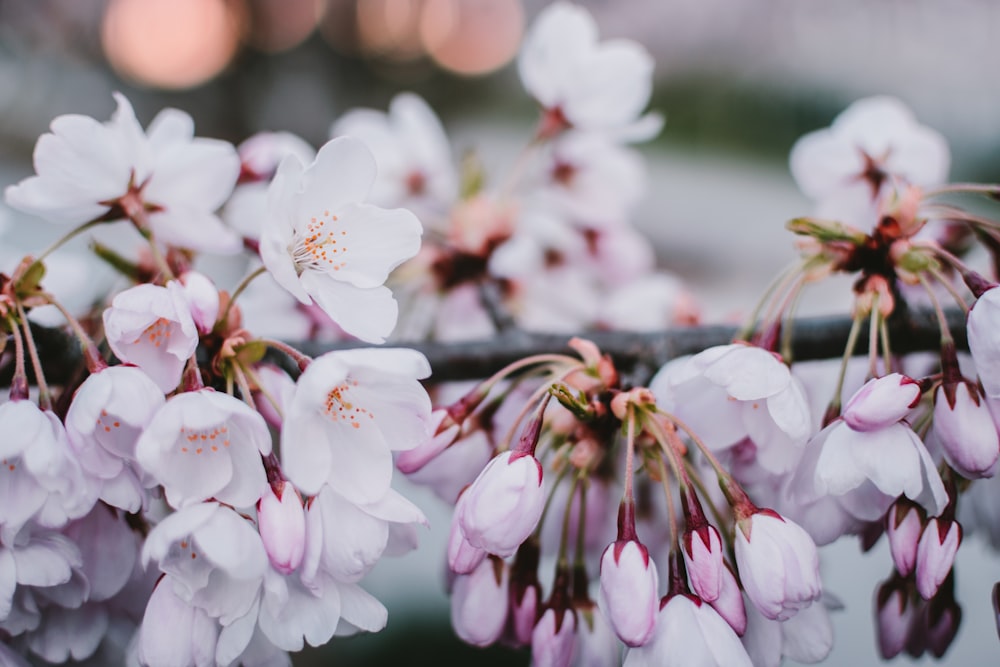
x,y
197,491
180,498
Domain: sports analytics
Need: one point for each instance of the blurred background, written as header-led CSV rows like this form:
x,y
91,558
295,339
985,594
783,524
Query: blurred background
x,y
738,80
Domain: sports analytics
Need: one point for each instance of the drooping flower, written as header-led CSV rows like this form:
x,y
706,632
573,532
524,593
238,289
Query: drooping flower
x,y
205,444
873,144
172,179
778,564
578,80
630,598
479,603
325,245
152,327
412,151
350,410
503,506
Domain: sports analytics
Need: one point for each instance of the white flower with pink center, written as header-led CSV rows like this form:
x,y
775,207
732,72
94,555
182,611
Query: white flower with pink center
x,y
205,444
152,327
166,175
874,144
350,410
412,152
325,245
588,84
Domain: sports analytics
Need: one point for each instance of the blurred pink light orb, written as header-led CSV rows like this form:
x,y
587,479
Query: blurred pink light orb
x,y
171,43
472,36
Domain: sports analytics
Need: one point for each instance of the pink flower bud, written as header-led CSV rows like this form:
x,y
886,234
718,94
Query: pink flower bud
x,y
524,613
778,564
983,324
893,616
936,554
479,603
203,297
729,605
282,524
904,527
881,402
554,638
965,428
463,558
503,506
412,460
702,549
630,597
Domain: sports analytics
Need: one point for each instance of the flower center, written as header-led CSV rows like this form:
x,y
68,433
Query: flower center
x,y
322,246
207,441
340,408
158,332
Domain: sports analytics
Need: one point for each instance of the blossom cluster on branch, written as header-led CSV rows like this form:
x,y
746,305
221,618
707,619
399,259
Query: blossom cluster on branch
x,y
178,499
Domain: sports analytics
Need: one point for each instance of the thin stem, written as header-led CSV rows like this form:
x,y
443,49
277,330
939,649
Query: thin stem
x,y
675,537
91,354
883,330
700,444
751,322
852,342
564,535
548,500
241,382
580,557
946,338
873,319
67,237
943,279
238,291
303,360
952,188
44,396
252,374
19,383
629,495
788,325
712,507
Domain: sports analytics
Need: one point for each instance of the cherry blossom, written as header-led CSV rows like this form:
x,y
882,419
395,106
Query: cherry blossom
x,y
174,180
585,83
413,155
629,591
205,444
325,245
152,327
350,410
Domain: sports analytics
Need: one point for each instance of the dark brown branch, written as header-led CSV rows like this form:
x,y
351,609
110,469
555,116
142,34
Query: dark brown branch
x,y
637,355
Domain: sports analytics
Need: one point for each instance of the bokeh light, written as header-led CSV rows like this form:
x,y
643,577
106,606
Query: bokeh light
x,y
279,25
171,43
390,28
472,36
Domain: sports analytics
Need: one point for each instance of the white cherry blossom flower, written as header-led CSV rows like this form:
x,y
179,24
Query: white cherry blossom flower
x,y
349,411
412,151
730,393
325,245
205,444
873,144
151,326
87,169
590,84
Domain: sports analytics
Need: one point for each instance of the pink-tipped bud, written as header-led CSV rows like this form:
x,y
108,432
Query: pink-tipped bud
x,y
729,605
503,506
894,613
282,524
995,598
983,323
904,525
553,639
479,603
412,460
965,428
702,549
881,402
629,597
778,564
524,608
203,297
463,558
936,554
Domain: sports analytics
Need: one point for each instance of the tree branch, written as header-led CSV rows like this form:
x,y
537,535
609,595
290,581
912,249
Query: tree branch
x,y
636,355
